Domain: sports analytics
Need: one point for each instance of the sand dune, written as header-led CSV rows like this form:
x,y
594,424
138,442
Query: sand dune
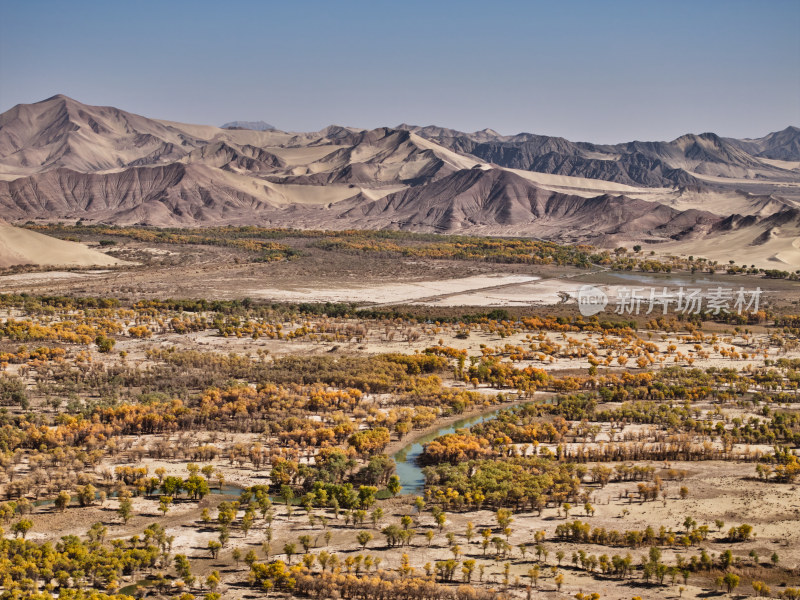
x,y
772,242
585,187
23,247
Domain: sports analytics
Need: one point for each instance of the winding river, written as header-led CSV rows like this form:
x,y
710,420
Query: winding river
x,y
409,471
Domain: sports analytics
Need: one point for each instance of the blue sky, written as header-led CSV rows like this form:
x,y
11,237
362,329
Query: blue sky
x,y
586,70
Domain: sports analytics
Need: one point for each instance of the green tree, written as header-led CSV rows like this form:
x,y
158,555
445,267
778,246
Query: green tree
x,y
86,495
289,549
394,485
364,538
366,495
196,487
62,501
214,547
376,516
182,567
125,510
171,486
104,344
22,527
213,580
305,542
731,581
164,504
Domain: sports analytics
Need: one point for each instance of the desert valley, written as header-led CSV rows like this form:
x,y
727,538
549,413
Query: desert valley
x,y
239,362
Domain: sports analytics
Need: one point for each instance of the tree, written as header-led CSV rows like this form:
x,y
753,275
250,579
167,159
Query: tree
x,y
224,535
366,495
534,573
213,580
22,527
394,485
393,534
323,558
196,487
731,581
86,495
214,547
376,516
289,549
164,503
419,504
182,567
247,522
305,542
468,567
470,532
104,344
364,538
62,501
171,486
503,516
761,589
125,510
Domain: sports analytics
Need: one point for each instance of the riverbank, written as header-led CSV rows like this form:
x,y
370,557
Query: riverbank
x,y
406,452
412,438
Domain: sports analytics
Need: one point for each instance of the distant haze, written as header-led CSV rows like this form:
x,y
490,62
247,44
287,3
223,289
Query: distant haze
x,y
590,71
254,125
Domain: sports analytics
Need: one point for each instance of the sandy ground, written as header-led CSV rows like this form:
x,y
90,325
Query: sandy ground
x,y
718,490
24,247
47,276
318,275
392,293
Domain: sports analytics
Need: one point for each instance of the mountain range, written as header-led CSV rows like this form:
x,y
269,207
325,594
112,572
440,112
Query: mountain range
x,y
254,125
62,160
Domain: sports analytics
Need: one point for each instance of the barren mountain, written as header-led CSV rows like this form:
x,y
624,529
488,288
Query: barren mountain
x,y
254,125
681,162
63,160
779,145
499,201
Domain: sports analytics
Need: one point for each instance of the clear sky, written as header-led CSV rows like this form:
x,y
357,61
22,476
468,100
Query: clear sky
x,y
588,70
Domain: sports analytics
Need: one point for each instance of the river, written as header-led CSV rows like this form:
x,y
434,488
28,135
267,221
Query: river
x,y
409,472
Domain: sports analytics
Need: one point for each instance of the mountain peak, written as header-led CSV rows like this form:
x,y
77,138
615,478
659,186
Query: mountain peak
x,y
254,125
55,97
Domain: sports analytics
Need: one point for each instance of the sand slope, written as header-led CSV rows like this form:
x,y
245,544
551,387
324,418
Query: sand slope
x,y
23,247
